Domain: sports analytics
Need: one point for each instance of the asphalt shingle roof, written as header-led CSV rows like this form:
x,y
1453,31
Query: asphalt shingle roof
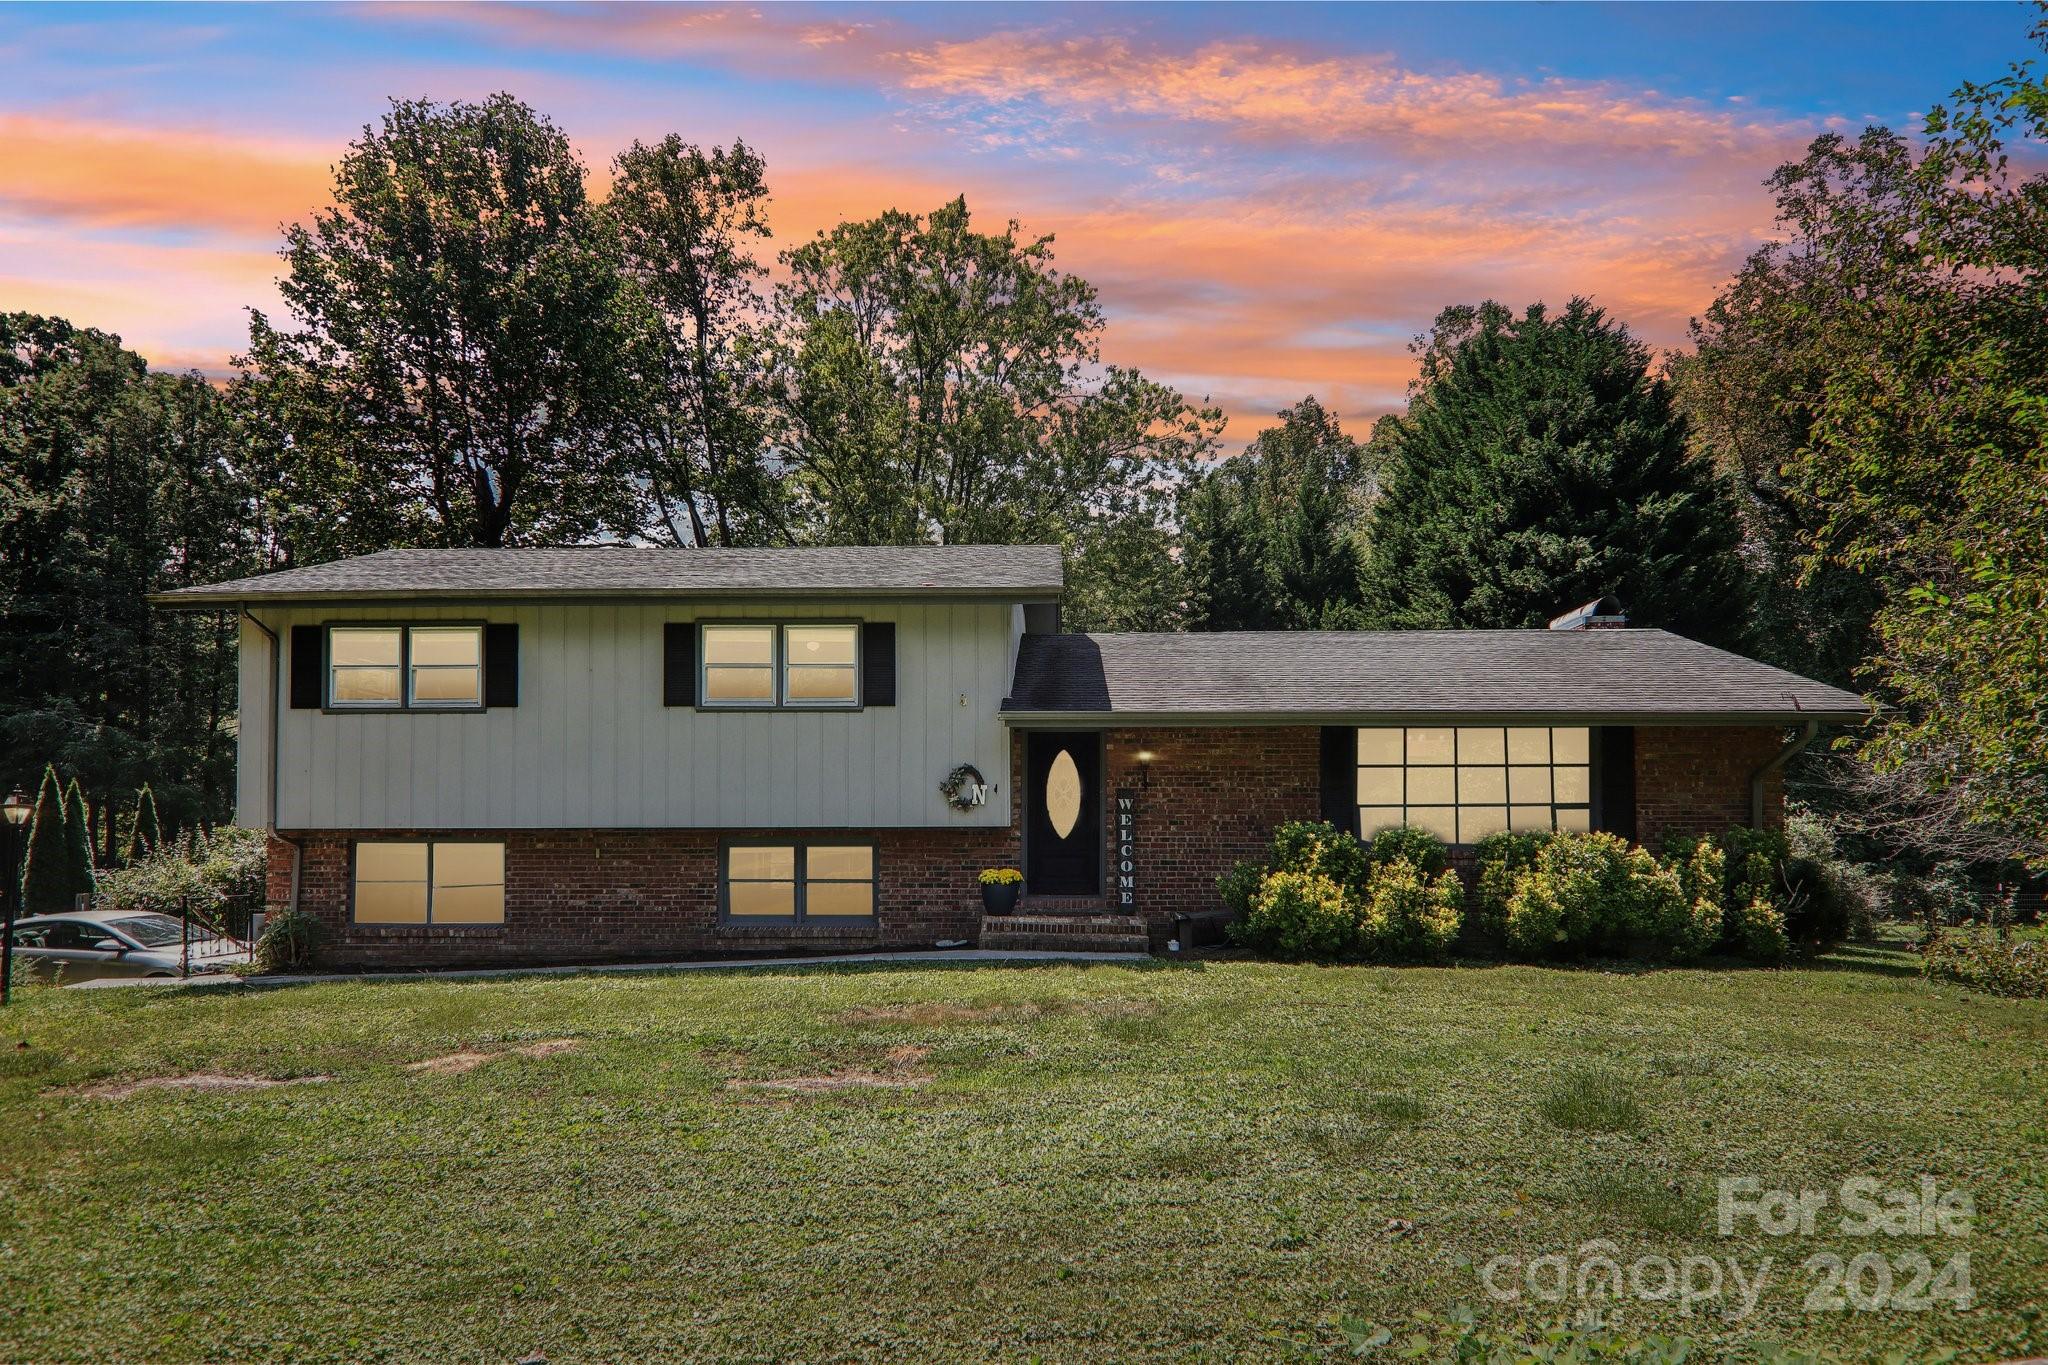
x,y
1615,674
627,571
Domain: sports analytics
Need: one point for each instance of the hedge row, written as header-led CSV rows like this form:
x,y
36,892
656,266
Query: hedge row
x,y
1321,893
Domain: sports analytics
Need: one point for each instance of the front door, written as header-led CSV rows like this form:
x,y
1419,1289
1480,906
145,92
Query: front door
x,y
1063,813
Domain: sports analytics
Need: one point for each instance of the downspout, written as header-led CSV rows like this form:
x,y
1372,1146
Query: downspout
x,y
1785,755
276,729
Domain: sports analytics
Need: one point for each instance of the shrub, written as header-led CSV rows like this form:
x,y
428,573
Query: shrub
x,y
1503,858
1405,916
291,941
1320,847
1986,961
1417,846
1758,930
221,879
1301,915
1595,893
1240,886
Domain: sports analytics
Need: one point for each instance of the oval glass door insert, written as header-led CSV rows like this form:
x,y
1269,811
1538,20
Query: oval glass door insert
x,y
1063,794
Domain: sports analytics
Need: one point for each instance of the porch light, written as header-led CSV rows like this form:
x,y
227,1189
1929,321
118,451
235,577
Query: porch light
x,y
16,808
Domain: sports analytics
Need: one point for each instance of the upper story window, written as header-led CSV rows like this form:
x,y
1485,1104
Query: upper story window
x,y
371,667
1463,783
786,665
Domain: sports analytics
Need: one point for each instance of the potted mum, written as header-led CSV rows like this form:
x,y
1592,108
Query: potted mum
x,y
999,889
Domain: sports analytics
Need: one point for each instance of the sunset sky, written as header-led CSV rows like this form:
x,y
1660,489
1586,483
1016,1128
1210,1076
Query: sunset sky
x,y
1272,200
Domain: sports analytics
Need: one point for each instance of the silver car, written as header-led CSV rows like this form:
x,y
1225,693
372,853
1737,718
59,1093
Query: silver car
x,y
81,947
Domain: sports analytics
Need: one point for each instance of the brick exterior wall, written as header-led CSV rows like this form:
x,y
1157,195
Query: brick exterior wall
x,y
1212,798
593,895
1694,779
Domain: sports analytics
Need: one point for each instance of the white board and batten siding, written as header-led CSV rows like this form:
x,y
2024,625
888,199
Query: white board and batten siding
x,y
590,745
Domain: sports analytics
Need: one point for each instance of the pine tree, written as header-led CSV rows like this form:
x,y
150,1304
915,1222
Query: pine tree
x,y
149,830
46,879
1540,466
78,842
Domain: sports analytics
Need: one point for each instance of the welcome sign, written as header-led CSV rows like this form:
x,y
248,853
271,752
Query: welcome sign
x,y
1126,848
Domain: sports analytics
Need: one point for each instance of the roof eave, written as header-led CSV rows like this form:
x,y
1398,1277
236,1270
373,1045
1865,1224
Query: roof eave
x,y
1036,720
201,599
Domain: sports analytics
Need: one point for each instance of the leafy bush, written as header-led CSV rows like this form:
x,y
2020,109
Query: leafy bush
x,y
1406,916
1240,886
1757,929
1987,961
1301,915
221,880
1503,858
291,941
1320,847
1772,901
1596,894
1417,846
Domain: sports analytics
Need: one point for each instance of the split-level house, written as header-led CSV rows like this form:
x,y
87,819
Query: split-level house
x,y
572,754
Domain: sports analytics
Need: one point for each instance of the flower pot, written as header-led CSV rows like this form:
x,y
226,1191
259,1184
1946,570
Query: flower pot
x,y
1000,900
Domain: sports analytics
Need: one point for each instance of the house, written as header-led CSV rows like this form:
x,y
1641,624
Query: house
x,y
522,754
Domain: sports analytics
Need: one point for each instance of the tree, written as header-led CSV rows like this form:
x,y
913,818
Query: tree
x,y
453,368
1538,466
46,876
1921,464
1272,536
937,384
78,842
1121,575
686,220
148,835
116,482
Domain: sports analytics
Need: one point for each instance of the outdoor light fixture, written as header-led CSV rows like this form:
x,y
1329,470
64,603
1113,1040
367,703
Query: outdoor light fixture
x,y
15,808
1145,757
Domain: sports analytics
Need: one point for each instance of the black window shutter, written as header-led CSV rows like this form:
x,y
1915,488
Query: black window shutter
x,y
1614,780
501,665
878,663
308,660
1340,776
679,663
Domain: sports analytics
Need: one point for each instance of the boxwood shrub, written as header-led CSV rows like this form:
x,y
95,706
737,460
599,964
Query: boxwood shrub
x,y
1321,893
1598,895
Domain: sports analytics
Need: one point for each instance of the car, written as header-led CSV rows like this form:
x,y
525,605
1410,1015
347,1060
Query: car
x,y
100,943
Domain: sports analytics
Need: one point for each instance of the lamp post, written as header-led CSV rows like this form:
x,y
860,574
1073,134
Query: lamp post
x,y
15,809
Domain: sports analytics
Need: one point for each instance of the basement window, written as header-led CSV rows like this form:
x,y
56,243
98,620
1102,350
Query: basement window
x,y
421,882
1462,783
797,880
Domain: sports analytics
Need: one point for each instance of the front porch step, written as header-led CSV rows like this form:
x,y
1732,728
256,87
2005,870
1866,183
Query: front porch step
x,y
1070,933
1066,905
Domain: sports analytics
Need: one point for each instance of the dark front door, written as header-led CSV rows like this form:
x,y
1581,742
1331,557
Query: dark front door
x,y
1063,813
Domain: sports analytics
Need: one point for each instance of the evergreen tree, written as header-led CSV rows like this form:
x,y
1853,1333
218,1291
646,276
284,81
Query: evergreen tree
x,y
46,878
149,830
1540,466
1271,537
78,842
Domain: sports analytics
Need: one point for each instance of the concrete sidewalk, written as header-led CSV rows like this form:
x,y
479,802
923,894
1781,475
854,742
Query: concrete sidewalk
x,y
991,955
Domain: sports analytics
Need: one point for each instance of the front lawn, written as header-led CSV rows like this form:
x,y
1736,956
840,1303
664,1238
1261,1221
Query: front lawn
x,y
1193,1161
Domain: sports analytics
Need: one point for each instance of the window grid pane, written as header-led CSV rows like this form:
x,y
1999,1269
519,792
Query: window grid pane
x,y
1465,783
800,881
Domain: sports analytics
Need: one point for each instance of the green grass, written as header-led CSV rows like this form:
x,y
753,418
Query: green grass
x,y
1196,1161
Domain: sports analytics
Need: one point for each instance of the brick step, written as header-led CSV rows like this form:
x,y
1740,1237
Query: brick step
x,y
1096,933
1064,905
1066,943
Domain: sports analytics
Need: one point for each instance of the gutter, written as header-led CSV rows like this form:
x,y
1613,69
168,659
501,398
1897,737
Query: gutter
x,y
1785,755
276,760
1088,720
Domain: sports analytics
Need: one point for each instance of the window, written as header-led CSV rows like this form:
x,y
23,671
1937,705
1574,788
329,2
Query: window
x,y
822,881
1463,783
790,665
438,666
430,883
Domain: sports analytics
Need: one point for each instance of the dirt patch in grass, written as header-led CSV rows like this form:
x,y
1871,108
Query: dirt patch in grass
x,y
839,1080
456,1063
204,1080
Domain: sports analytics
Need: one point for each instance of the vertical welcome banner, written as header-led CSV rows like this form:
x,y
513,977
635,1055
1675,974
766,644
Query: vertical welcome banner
x,y
1126,848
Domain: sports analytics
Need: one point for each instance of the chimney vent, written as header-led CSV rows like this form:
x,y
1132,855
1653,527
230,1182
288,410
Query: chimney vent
x,y
1603,613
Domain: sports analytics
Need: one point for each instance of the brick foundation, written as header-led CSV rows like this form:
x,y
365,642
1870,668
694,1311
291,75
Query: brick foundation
x,y
1694,779
593,895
